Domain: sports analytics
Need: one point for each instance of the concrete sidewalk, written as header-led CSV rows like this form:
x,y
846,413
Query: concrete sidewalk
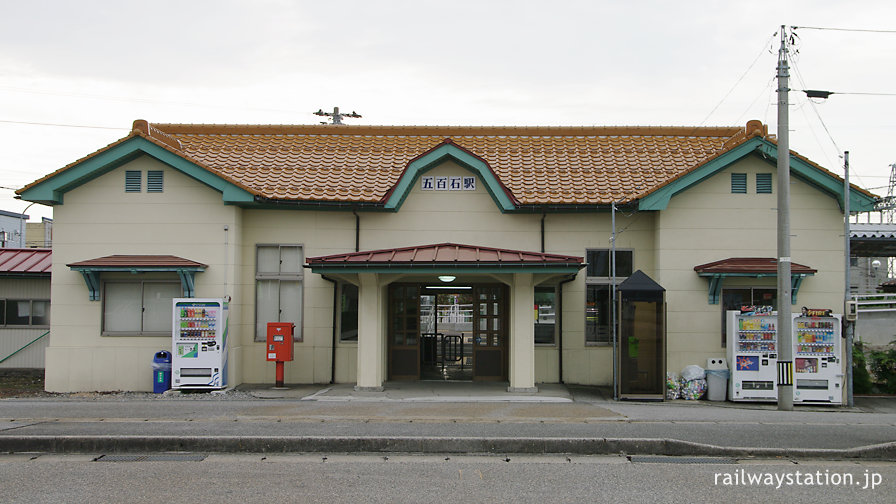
x,y
440,417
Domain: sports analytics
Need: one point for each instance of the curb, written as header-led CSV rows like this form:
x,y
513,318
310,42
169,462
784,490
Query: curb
x,y
431,445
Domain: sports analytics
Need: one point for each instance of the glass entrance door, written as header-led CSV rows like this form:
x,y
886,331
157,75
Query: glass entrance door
x,y
404,332
490,333
447,334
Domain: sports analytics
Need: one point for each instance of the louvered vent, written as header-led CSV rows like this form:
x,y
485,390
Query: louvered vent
x,y
154,181
738,183
763,183
133,181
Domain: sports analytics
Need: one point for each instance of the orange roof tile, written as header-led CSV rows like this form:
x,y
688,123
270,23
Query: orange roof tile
x,y
576,165
538,165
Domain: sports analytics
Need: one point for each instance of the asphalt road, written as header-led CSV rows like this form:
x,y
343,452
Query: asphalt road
x,y
397,478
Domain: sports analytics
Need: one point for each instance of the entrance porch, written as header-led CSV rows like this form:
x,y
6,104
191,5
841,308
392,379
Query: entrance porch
x,y
490,336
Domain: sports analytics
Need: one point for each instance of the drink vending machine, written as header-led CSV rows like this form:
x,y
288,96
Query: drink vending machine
x,y
753,354
199,343
817,368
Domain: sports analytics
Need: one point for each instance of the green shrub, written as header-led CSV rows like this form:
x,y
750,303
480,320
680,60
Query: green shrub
x,y
861,378
883,366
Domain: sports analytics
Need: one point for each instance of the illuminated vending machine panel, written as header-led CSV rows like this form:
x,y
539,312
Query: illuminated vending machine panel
x,y
817,367
199,344
752,354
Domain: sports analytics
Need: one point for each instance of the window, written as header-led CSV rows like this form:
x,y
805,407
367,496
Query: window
x,y
348,312
598,293
738,183
545,315
733,299
154,181
138,308
763,183
133,181
278,287
599,263
24,312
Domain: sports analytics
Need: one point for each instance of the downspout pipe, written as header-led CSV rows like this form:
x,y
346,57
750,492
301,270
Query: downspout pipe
x,y
357,230
559,320
335,328
543,215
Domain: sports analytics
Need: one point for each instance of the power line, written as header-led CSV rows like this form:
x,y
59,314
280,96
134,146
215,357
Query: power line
x,y
763,51
841,29
61,125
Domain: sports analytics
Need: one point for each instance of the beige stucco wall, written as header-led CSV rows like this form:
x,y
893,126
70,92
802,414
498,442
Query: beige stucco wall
x,y
707,223
704,223
97,219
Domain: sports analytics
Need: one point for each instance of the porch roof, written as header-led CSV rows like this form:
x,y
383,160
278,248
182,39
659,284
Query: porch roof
x,y
755,267
91,269
446,257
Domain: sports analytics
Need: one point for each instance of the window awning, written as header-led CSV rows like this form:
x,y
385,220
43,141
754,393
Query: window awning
x,y
445,257
91,269
752,267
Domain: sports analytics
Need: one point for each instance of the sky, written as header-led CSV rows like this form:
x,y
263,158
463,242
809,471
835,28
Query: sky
x,y
75,75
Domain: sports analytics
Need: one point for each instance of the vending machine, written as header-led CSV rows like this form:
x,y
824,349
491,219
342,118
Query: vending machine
x,y
753,354
199,344
817,366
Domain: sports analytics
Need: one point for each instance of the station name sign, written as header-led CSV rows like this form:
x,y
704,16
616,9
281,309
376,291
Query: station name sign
x,y
434,183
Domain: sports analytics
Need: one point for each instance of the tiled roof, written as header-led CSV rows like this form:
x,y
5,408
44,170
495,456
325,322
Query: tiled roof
x,y
751,265
137,261
446,253
586,165
25,261
547,165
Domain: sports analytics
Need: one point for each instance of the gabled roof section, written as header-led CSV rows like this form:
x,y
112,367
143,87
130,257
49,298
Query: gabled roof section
x,y
445,151
755,141
25,262
143,140
446,257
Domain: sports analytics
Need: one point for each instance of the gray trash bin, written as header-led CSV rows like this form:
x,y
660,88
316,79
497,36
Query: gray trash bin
x,y
717,375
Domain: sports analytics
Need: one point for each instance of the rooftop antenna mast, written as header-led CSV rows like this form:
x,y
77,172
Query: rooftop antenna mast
x,y
336,116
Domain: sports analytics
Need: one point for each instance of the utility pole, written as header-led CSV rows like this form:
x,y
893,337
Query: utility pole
x,y
847,325
785,322
335,116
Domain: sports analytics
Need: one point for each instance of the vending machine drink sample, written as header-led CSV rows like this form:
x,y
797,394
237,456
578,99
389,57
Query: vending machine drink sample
x,y
753,354
817,369
199,344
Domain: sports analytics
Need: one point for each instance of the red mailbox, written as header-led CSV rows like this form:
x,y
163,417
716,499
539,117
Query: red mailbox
x,y
280,346
280,341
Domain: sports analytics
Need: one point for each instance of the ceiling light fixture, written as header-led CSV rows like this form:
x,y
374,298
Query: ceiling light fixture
x,y
447,278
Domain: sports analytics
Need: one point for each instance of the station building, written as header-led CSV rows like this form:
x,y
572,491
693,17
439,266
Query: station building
x,y
417,253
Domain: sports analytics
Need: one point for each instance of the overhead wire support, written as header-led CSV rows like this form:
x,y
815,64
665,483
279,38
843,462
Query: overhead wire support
x,y
841,29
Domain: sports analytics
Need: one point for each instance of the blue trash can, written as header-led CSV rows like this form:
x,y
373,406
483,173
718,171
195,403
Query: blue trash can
x,y
161,372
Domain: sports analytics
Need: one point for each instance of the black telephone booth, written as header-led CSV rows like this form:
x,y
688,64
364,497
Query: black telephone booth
x,y
641,343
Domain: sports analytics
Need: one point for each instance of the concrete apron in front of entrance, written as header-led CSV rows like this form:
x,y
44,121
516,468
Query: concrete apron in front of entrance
x,y
440,401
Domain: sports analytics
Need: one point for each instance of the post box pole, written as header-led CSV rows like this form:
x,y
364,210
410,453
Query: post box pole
x,y
279,377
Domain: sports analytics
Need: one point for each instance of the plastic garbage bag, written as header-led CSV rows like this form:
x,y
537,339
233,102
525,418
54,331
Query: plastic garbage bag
x,y
693,372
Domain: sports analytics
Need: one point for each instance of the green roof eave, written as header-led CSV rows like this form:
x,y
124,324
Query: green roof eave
x,y
446,268
716,280
822,180
438,155
91,275
52,190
